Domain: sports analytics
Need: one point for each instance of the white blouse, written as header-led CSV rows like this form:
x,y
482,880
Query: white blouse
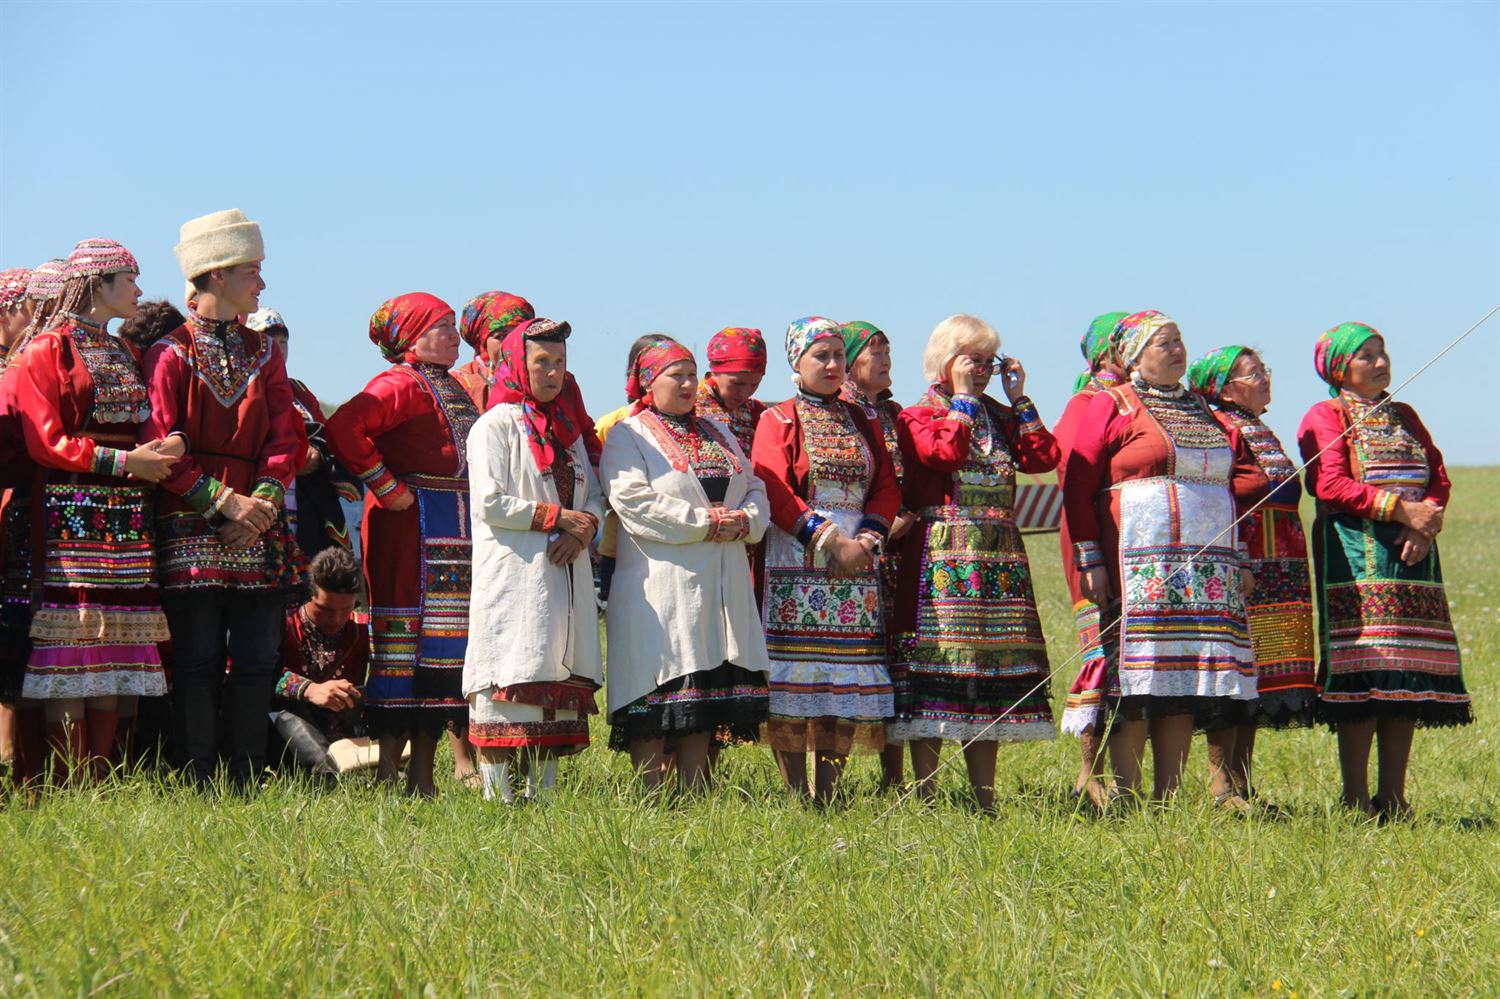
x,y
529,620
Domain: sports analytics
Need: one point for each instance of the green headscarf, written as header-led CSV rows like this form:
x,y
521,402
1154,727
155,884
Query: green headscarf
x,y
1210,373
1095,344
1334,348
857,337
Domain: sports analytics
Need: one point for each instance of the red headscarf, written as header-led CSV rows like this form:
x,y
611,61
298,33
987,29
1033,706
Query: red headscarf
x,y
561,421
400,321
492,314
662,353
737,348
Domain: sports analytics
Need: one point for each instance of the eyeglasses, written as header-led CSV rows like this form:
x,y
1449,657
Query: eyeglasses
x,y
1263,375
982,365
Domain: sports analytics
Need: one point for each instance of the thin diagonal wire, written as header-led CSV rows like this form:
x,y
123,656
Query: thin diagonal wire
x,y
1390,396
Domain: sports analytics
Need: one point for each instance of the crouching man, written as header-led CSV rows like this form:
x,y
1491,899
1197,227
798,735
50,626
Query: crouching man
x,y
318,711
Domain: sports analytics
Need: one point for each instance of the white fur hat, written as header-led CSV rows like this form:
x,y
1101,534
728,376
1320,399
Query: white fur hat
x,y
221,239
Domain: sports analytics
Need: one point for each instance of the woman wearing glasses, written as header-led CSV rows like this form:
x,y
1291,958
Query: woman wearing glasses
x,y
971,644
1237,386
1154,485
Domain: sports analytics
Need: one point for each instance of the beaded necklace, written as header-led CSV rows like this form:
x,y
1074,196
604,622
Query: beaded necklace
x,y
1263,443
320,651
119,394
1182,415
691,444
879,414
836,450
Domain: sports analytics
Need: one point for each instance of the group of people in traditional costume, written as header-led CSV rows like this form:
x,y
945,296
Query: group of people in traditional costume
x,y
826,574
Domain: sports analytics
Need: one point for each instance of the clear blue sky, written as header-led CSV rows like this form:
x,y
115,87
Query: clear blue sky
x,y
1261,172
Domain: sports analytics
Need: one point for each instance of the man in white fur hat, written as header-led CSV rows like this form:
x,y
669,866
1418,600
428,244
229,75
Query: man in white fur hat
x,y
224,551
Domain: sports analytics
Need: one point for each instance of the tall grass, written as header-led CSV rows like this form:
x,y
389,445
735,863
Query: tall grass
x,y
142,888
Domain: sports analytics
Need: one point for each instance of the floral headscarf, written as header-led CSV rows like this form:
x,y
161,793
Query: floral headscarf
x,y
549,425
492,315
13,286
1132,333
1335,347
661,353
400,321
857,337
1210,373
1095,344
803,333
737,349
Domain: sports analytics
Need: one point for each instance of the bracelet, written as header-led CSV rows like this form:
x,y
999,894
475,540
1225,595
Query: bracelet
x,y
219,501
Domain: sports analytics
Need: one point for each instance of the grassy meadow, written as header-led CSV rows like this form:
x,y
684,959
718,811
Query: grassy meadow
x,y
143,889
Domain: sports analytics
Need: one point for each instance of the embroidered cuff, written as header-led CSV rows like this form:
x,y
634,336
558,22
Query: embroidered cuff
x,y
293,686
544,517
878,526
715,522
109,461
1385,505
820,536
964,409
207,495
807,525
1026,413
1087,555
270,489
379,480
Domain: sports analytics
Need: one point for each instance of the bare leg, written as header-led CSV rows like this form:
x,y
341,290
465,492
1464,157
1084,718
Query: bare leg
x,y
7,733
1089,746
794,772
828,769
692,761
1221,749
463,754
1171,741
419,779
924,764
980,758
104,719
67,731
1354,763
1240,764
647,761
1127,751
892,766
1393,755
388,770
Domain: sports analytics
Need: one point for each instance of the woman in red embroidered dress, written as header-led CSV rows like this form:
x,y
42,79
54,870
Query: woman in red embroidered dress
x,y
867,355
1082,708
1237,386
970,641
484,323
82,398
833,496
1153,489
1389,658
405,436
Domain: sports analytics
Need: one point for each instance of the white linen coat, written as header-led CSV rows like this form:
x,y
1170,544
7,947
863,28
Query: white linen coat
x,y
529,621
678,604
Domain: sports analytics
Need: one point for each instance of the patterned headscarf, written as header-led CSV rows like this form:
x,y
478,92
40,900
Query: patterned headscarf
x,y
1095,344
100,258
13,286
857,337
1210,373
805,332
737,349
558,422
661,353
1334,348
492,314
1132,333
266,321
47,280
402,320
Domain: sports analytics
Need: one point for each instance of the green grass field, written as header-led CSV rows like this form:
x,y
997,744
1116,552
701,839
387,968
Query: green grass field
x,y
140,889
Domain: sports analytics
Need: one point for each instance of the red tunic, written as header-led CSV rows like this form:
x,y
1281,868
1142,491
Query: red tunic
x,y
1330,477
405,435
224,387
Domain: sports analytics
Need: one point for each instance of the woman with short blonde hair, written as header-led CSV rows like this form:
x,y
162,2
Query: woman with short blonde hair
x,y
973,657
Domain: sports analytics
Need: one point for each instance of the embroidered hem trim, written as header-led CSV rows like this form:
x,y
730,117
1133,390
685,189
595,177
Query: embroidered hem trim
x,y
1087,555
293,686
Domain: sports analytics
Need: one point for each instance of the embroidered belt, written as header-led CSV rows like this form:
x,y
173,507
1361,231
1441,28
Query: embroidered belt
x,y
436,483
1179,479
948,511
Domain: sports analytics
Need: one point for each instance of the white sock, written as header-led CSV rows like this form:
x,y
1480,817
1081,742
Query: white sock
x,y
496,781
549,773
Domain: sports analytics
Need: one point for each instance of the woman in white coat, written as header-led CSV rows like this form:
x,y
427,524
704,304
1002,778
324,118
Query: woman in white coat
x,y
533,666
687,656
